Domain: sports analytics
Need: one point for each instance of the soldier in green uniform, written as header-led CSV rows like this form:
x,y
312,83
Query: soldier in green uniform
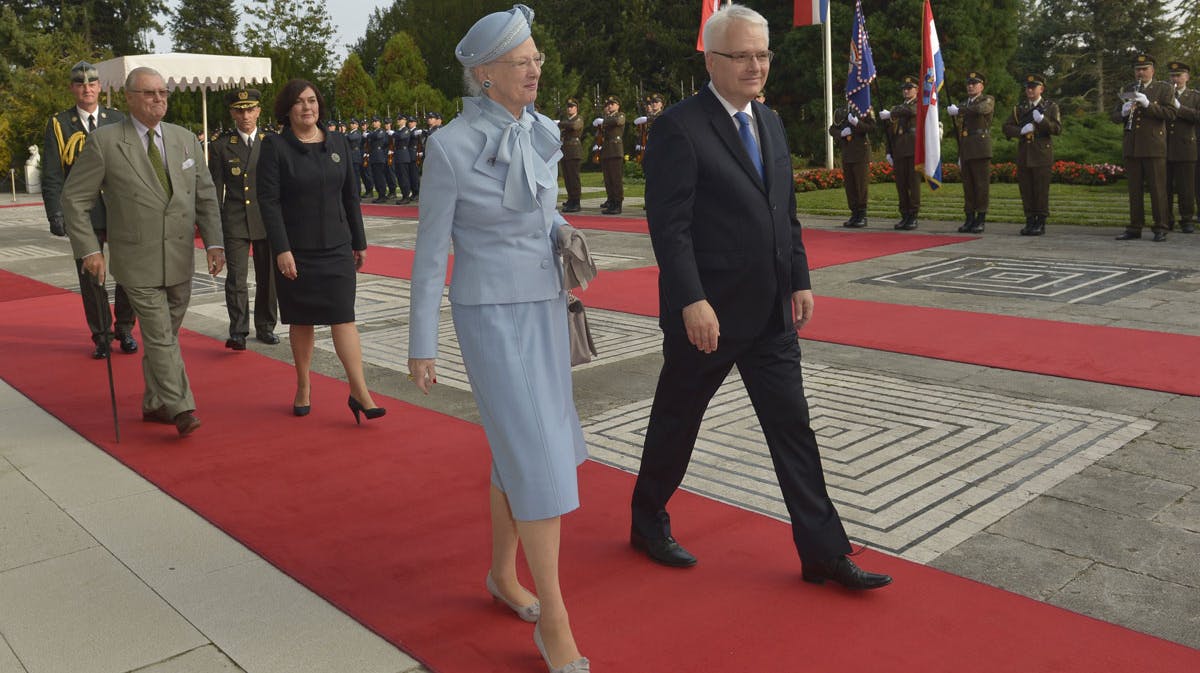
x,y
1032,124
973,124
612,154
66,134
902,131
1146,109
654,108
851,133
1181,150
570,126
233,162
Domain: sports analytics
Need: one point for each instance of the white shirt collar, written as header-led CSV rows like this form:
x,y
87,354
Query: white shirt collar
x,y
83,115
142,128
749,109
247,137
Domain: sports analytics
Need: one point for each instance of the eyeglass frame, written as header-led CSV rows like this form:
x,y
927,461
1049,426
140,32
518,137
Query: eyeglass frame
x,y
523,64
743,58
156,93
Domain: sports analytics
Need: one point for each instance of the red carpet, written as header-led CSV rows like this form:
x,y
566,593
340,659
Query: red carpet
x,y
388,522
15,286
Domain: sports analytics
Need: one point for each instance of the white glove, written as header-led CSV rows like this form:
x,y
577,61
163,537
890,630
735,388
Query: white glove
x,y
391,133
637,148
1038,116
846,132
889,157
1126,108
1142,100
418,132
639,121
595,148
953,110
599,121
885,114
1028,128
852,119
1176,103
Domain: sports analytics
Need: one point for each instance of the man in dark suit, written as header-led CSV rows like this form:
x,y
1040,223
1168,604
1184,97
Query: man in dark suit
x,y
233,162
733,289
66,134
1145,109
157,192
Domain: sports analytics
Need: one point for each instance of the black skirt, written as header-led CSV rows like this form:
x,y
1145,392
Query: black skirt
x,y
324,288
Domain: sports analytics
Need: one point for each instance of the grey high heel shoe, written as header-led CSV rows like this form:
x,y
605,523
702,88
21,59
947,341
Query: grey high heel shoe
x,y
529,613
580,665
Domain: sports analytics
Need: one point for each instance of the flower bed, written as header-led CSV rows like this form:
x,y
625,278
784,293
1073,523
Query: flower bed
x,y
1066,172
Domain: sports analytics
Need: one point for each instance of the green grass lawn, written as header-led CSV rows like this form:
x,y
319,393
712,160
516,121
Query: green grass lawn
x,y
1069,204
1106,206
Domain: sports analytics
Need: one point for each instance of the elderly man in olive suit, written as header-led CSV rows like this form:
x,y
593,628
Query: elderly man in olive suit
x,y
157,191
66,134
233,162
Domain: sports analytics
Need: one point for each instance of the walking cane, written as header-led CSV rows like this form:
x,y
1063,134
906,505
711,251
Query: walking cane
x,y
107,336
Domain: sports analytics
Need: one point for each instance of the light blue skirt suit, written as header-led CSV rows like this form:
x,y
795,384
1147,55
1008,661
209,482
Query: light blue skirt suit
x,y
490,186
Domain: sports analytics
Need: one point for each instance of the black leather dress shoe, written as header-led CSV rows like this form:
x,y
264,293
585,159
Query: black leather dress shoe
x,y
237,343
158,415
1129,236
268,338
843,571
664,550
102,350
128,343
1160,236
186,423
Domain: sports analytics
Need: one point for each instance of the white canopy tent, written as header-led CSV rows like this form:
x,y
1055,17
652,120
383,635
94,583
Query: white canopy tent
x,y
188,72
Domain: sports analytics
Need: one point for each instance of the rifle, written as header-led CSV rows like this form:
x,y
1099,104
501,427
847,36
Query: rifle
x,y
598,143
887,137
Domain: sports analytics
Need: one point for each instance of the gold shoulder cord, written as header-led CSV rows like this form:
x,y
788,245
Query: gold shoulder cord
x,y
70,148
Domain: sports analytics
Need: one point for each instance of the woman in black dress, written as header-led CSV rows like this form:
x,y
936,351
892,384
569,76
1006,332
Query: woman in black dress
x,y
309,203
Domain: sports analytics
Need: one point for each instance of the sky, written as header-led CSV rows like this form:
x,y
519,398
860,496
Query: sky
x,y
349,20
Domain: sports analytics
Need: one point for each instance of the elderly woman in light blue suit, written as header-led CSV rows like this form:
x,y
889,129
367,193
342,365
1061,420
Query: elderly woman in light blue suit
x,y
490,185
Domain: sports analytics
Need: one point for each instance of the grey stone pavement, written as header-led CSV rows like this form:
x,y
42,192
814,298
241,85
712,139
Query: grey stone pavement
x,y
1078,494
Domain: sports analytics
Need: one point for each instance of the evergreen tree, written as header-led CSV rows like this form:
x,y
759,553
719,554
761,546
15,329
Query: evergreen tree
x,y
400,61
295,35
205,27
355,91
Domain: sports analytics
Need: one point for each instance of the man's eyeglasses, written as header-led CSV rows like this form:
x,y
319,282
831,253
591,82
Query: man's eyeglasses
x,y
151,93
743,58
523,64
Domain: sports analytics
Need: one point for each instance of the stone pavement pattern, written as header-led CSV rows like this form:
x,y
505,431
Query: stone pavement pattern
x,y
1079,494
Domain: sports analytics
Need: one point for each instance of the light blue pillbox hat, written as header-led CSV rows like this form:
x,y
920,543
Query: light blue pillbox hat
x,y
494,36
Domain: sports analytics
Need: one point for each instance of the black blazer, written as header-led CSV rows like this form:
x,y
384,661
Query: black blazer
x,y
308,194
718,232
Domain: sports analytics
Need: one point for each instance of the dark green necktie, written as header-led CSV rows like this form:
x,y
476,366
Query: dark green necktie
x,y
157,162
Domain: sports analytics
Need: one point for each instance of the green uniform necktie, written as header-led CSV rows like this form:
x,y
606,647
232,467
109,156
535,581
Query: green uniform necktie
x,y
157,162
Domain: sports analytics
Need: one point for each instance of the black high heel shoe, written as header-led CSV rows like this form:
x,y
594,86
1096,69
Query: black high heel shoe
x,y
358,408
301,411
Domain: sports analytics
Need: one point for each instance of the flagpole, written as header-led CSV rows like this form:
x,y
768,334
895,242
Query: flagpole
x,y
828,90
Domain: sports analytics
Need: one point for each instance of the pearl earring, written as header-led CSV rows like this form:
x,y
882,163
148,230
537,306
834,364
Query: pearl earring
x,y
487,83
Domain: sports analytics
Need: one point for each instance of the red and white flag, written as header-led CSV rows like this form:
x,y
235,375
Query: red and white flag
x,y
707,7
810,12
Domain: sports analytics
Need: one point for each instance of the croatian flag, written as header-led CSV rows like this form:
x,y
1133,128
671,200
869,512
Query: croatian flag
x,y
810,12
928,157
862,66
707,7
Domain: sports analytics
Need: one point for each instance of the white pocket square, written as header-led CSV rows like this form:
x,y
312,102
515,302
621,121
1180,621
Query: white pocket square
x,y
188,164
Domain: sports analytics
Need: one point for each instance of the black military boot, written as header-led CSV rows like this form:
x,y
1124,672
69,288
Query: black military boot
x,y
902,224
1187,226
1039,225
858,220
862,220
967,224
977,225
571,206
1027,230
612,209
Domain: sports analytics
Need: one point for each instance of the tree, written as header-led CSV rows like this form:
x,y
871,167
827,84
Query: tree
x,y
355,91
295,35
205,27
400,61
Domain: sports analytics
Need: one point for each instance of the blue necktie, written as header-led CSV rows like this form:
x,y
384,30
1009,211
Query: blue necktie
x,y
751,144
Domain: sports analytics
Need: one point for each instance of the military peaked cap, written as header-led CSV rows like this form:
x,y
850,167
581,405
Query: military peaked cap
x,y
1143,60
1177,67
1033,80
243,98
975,76
909,81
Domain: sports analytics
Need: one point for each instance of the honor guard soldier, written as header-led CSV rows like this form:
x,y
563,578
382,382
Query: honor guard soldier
x,y
1146,108
972,123
233,162
409,164
400,134
612,155
654,107
355,137
570,127
1181,150
902,134
375,145
363,159
66,133
851,133
1032,124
